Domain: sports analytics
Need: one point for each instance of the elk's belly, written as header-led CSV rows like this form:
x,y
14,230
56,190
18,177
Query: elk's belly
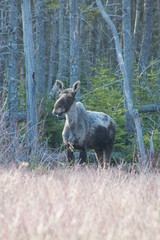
x,y
101,136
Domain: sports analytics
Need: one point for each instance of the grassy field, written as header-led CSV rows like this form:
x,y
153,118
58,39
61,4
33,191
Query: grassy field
x,y
88,204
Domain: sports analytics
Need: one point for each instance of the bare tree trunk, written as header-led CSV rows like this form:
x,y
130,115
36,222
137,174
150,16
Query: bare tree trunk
x,y
136,28
4,12
147,36
12,68
40,49
66,59
30,77
150,108
127,41
81,34
54,53
60,73
74,42
92,47
128,57
128,95
158,6
99,37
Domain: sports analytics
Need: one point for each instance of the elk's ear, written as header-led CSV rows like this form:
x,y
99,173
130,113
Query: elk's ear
x,y
76,86
59,85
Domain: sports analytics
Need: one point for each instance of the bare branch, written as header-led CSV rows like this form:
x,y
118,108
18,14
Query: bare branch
x,y
150,108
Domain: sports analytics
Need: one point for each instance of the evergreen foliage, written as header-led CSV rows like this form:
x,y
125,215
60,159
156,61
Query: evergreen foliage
x,y
146,91
52,127
106,95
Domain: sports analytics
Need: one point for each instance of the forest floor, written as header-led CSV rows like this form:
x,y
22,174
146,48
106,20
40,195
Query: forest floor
x,y
75,203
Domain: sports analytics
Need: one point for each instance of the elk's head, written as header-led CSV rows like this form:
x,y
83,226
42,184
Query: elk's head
x,y
66,98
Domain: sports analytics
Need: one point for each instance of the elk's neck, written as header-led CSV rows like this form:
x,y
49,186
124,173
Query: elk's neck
x,y
72,115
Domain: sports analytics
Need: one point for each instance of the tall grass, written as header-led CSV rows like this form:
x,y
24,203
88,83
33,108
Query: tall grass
x,y
71,203
75,204
15,150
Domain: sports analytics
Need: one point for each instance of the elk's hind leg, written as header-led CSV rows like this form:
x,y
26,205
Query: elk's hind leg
x,y
107,154
106,158
99,157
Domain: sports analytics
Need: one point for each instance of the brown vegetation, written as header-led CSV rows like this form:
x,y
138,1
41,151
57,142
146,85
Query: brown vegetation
x,y
86,204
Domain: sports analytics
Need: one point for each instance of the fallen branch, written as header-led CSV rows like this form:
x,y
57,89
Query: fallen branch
x,y
150,108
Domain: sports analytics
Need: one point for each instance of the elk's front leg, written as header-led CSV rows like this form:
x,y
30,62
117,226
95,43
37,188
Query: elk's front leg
x,y
67,145
69,154
82,155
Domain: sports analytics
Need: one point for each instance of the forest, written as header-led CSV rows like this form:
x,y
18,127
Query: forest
x,y
112,47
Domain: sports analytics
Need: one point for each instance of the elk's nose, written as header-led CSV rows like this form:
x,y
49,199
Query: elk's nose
x,y
55,113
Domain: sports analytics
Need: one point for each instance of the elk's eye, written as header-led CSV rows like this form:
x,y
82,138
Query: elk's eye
x,y
59,105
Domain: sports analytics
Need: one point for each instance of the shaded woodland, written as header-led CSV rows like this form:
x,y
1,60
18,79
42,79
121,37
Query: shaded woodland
x,y
112,47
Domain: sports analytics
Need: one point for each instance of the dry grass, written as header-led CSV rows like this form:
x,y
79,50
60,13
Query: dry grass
x,y
86,204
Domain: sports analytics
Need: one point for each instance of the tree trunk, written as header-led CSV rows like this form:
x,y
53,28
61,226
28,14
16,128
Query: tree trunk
x,y
40,49
66,58
74,42
99,37
30,77
54,53
4,51
136,28
147,36
128,57
12,68
143,158
81,33
60,73
128,95
158,74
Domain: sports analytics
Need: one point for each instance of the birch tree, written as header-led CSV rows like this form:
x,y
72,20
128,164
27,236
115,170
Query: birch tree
x,y
128,95
12,67
30,77
74,42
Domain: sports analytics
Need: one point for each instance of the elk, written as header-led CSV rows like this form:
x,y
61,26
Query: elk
x,y
84,129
